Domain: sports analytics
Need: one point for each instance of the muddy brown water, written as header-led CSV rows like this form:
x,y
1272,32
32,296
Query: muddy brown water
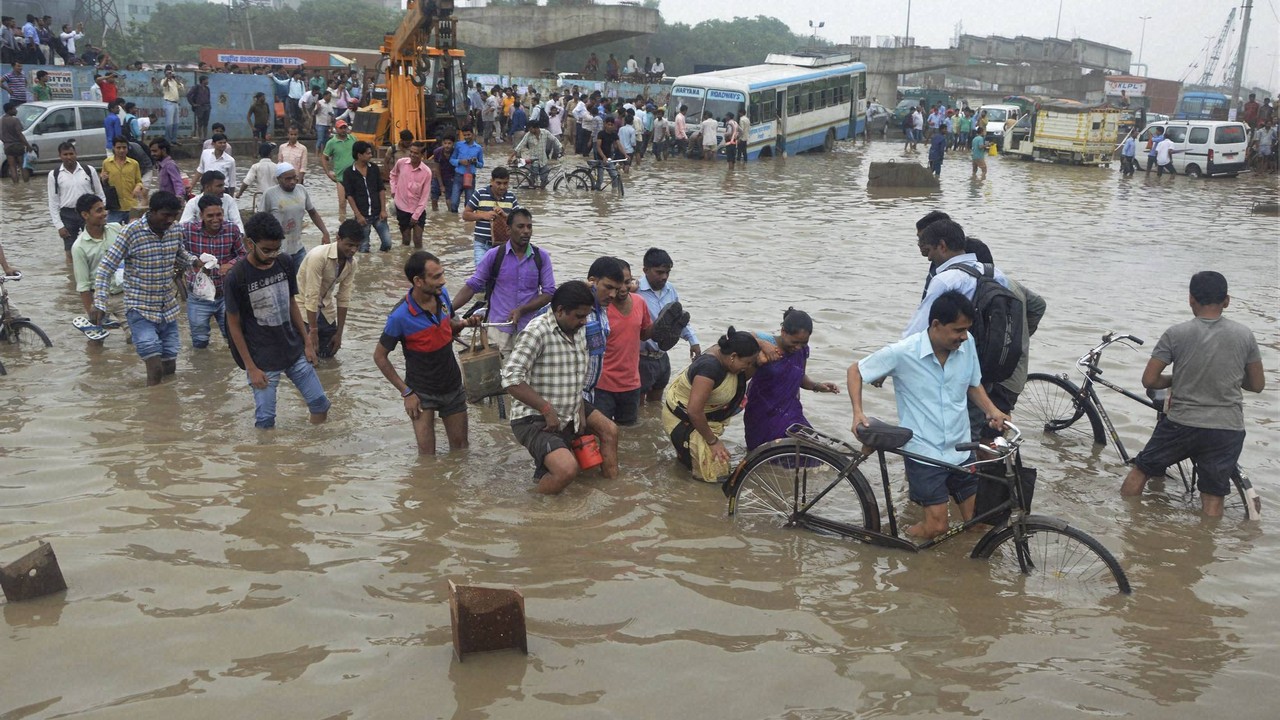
x,y
218,571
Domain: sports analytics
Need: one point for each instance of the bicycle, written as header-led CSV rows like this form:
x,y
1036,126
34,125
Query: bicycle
x,y
526,176
1058,405
590,178
16,328
785,483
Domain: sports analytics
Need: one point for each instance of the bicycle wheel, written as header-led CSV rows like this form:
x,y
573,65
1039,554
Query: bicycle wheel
x,y
771,485
521,179
1062,562
1242,503
21,331
1056,405
572,183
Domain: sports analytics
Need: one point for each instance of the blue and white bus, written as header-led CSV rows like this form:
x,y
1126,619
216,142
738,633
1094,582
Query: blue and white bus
x,y
795,102
1199,105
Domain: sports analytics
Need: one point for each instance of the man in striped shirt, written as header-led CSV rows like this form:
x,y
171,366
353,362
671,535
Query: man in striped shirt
x,y
149,249
484,204
545,375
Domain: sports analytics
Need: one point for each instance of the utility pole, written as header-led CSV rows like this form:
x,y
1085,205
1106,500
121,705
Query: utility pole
x,y
1058,27
1244,47
1143,38
907,38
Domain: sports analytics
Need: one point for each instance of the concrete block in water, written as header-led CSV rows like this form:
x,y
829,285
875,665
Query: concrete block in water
x,y
33,575
486,619
896,174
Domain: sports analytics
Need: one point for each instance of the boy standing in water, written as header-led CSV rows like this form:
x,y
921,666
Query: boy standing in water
x,y
658,292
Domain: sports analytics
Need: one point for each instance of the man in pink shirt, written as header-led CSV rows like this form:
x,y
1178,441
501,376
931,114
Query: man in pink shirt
x,y
411,188
617,393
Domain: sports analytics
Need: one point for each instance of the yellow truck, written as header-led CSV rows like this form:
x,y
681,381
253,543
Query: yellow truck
x,y
1062,131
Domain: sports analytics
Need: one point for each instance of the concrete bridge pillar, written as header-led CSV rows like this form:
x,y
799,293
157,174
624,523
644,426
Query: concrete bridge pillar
x,y
526,63
884,88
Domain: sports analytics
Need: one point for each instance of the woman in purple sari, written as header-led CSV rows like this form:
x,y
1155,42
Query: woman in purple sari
x,y
773,397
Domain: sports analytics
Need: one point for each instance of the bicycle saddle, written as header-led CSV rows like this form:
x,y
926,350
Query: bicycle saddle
x,y
883,436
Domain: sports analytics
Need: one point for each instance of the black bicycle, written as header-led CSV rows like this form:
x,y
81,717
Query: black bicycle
x,y
14,327
1067,411
812,480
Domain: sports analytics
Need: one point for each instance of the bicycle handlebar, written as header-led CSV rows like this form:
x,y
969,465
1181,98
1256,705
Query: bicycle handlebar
x,y
1002,445
1110,338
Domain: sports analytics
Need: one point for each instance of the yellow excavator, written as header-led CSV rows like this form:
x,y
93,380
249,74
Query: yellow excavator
x,y
421,84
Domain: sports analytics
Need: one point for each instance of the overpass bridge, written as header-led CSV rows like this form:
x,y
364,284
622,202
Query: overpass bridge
x,y
1011,64
527,37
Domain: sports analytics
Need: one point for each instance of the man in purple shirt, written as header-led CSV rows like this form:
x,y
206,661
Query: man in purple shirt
x,y
167,172
521,283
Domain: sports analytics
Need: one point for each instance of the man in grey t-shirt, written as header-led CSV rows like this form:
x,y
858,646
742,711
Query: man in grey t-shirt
x,y
288,202
1213,360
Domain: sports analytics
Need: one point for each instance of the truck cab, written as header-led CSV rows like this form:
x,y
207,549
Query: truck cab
x,y
997,118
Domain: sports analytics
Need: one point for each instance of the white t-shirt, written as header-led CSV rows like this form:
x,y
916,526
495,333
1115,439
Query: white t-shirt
x,y
1164,152
632,65
324,113
709,132
659,68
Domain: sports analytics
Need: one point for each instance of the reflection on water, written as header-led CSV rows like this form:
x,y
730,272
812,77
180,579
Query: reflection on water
x,y
306,568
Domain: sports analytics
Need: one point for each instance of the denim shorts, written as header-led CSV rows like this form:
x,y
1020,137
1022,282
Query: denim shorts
x,y
1215,453
152,339
931,485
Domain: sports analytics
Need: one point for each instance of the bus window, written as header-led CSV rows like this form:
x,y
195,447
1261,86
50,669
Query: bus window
x,y
753,108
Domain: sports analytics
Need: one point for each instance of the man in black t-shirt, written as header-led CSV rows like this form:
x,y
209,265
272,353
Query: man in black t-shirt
x,y
423,324
607,146
367,195
268,337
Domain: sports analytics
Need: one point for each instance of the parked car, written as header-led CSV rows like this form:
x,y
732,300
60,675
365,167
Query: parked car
x,y
1204,148
47,124
878,117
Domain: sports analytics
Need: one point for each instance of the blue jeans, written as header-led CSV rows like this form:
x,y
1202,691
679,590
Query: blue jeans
x,y
480,248
152,339
322,137
298,257
303,376
384,234
456,193
118,216
171,121
199,312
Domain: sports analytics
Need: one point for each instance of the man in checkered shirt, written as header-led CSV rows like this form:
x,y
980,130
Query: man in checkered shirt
x,y
545,374
149,249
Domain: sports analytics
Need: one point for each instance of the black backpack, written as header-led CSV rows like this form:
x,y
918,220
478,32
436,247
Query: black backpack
x,y
998,328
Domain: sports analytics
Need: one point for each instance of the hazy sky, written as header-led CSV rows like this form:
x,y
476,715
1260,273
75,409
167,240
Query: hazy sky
x,y
1175,34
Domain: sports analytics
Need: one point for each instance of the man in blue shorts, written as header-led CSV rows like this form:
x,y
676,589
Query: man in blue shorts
x,y
1214,359
935,373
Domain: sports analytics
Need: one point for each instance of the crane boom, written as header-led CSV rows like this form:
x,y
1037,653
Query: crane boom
x,y
1212,65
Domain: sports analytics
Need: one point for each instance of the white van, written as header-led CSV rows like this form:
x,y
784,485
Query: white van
x,y
997,117
1206,147
48,124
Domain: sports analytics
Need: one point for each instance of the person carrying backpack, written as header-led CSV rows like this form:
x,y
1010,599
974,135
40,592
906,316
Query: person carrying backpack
x,y
516,278
1000,326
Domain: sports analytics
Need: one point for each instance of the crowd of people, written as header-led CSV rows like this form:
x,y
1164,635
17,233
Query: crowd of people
x,y
579,358
39,42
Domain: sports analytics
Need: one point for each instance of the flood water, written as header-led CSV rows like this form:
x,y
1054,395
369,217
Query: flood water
x,y
217,571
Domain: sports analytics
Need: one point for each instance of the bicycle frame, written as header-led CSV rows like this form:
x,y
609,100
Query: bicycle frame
x,y
1088,365
800,516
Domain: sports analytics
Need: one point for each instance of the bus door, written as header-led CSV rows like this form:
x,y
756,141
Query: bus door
x,y
857,104
783,111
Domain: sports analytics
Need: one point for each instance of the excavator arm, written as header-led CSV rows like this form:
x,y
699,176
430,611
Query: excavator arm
x,y
422,81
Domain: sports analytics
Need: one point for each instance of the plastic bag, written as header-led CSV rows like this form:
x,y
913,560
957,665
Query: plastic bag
x,y
202,287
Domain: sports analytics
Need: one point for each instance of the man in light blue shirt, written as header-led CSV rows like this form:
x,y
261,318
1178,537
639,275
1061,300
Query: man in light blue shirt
x,y
935,374
658,292
943,243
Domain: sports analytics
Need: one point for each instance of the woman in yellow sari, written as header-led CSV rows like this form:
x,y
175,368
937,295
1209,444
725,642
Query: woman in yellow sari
x,y
699,402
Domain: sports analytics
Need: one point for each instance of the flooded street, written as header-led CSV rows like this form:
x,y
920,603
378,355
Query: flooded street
x,y
218,571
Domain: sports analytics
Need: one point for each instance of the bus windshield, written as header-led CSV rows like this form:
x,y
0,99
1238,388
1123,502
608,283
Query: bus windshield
x,y
717,102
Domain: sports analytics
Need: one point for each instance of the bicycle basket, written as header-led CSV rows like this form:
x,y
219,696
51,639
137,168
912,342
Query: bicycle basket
x,y
994,493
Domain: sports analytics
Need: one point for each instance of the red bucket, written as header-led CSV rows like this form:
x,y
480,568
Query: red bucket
x,y
586,450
